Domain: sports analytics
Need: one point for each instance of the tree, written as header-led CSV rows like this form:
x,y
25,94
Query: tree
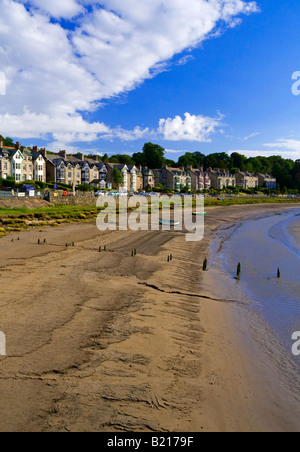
x,y
154,155
117,177
105,158
122,159
9,142
238,161
139,159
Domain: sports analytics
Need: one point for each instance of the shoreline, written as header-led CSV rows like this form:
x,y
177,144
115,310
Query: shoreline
x,y
268,380
120,343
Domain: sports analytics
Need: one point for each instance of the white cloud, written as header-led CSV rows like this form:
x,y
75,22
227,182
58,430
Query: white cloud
x,y
192,128
176,151
288,144
59,8
185,59
59,74
293,155
252,135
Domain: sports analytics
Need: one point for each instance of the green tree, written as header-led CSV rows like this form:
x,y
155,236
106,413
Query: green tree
x,y
238,161
122,159
8,141
139,159
154,155
117,177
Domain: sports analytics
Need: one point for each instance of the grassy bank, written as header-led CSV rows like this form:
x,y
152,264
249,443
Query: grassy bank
x,y
19,219
251,201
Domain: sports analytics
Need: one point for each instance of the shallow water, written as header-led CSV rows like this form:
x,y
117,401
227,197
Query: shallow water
x,y
262,246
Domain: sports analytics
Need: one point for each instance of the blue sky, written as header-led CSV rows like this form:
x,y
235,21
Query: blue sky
x,y
109,76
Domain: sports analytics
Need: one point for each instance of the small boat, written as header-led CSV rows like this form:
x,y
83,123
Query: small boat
x,y
199,213
169,222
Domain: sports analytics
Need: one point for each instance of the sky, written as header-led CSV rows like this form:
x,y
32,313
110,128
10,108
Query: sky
x,y
106,77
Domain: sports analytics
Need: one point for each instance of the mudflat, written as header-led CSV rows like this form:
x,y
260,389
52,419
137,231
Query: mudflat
x,y
103,341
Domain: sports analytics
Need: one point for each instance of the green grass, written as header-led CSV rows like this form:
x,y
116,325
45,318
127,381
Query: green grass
x,y
245,201
18,219
58,211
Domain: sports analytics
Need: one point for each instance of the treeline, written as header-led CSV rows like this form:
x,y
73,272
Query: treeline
x,y
286,171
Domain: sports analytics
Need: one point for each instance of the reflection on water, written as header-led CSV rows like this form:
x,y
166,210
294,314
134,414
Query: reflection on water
x,y
262,246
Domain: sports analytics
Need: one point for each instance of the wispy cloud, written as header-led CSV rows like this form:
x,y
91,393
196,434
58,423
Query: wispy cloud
x,y
284,143
57,74
286,148
184,60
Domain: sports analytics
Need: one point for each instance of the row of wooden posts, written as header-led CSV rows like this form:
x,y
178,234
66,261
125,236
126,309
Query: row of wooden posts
x,y
170,258
238,270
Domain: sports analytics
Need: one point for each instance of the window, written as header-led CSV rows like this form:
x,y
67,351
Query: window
x,y
24,177
18,177
18,166
41,178
70,175
41,168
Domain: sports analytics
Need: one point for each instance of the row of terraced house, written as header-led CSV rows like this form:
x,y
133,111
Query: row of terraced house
x,y
39,165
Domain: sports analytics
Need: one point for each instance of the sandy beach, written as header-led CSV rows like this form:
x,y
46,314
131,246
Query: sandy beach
x,y
107,342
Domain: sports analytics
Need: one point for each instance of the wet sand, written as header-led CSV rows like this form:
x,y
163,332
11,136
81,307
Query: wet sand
x,y
107,342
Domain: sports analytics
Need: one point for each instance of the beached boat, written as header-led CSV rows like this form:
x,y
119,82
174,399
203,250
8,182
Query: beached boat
x,y
169,222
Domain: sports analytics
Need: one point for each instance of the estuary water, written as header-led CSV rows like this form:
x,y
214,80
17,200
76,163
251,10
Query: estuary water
x,y
263,245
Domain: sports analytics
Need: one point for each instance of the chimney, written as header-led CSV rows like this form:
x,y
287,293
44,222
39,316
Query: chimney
x,y
1,143
35,148
80,157
18,146
63,154
44,152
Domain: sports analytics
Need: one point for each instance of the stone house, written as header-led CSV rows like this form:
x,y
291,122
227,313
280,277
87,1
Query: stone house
x,y
246,180
221,178
267,180
148,178
174,178
129,174
199,178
